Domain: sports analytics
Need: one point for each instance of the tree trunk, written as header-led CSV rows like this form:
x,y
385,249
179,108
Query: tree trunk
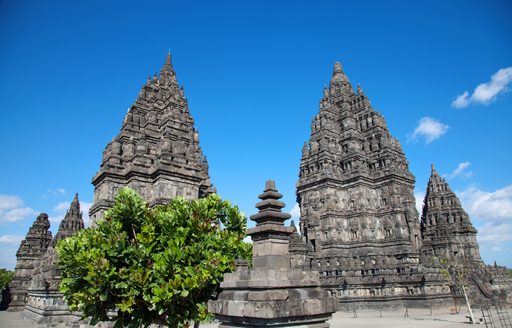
x,y
196,324
456,307
469,306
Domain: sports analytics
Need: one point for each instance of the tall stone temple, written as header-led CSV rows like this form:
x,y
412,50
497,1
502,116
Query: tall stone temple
x,y
355,191
359,226
446,229
157,152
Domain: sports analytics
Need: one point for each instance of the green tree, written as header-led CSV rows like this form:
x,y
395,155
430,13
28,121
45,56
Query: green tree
x,y
157,265
5,278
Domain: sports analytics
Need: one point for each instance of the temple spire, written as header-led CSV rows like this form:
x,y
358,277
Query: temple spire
x,y
443,219
75,204
360,91
339,81
167,72
157,139
72,221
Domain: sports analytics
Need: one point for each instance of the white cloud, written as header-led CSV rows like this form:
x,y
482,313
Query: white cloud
x,y
461,101
295,212
12,210
419,195
461,171
11,239
488,206
485,93
61,207
17,214
8,202
495,209
495,233
61,191
55,218
429,129
50,192
8,257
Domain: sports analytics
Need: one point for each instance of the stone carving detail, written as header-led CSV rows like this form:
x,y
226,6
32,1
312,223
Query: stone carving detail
x,y
45,304
271,293
157,150
446,229
31,249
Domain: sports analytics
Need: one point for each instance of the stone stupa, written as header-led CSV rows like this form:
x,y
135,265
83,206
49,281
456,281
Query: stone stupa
x,y
271,293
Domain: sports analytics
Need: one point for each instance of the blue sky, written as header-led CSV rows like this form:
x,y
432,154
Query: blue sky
x,y
253,72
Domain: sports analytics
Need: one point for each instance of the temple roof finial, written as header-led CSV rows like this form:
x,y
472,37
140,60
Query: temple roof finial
x,y
167,70
339,79
75,204
337,68
359,90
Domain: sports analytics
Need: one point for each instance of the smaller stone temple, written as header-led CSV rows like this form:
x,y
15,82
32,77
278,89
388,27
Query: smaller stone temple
x,y
271,293
45,303
446,230
447,233
31,249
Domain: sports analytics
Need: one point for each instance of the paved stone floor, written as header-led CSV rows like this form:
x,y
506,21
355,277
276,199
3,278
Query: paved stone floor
x,y
440,318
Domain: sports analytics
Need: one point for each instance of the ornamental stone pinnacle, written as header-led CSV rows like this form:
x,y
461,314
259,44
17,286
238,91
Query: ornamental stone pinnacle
x,y
271,293
157,151
270,237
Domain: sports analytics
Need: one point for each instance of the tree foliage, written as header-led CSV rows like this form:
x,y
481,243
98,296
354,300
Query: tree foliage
x,y
157,265
5,278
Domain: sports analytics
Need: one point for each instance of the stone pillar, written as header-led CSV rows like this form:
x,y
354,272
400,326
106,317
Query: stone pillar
x,y
272,293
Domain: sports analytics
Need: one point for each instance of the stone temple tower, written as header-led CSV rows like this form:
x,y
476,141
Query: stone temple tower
x,y
355,191
446,229
157,152
45,303
31,249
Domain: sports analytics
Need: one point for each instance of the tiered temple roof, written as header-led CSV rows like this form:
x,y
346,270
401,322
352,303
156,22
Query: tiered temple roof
x,y
446,229
31,249
355,189
157,152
